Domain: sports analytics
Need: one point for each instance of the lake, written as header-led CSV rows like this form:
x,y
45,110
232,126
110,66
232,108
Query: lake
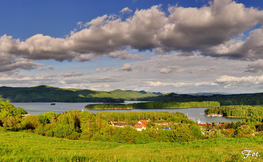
x,y
36,108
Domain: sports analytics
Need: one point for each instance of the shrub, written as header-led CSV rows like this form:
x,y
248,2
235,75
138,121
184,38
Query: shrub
x,y
30,122
243,132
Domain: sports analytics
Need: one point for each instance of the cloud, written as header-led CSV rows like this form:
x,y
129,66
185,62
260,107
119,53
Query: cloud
x,y
50,67
72,73
106,69
85,57
165,70
255,68
125,10
201,28
126,67
170,69
249,49
159,84
98,70
10,63
205,84
124,54
208,29
105,85
38,47
97,22
252,82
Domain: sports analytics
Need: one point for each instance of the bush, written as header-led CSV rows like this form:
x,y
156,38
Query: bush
x,y
243,132
30,122
62,131
215,134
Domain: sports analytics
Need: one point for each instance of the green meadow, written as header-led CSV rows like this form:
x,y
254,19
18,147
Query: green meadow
x,y
25,146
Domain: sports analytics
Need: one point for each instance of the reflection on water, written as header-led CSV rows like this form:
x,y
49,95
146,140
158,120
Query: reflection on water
x,y
35,108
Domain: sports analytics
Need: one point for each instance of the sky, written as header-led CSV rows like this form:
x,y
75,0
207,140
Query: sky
x,y
181,46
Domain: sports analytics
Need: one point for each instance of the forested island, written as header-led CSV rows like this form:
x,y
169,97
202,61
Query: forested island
x,y
237,111
154,105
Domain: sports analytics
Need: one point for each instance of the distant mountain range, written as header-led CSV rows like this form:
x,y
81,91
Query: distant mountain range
x,y
45,93
223,99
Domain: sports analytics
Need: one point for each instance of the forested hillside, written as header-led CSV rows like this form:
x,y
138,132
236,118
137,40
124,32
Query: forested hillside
x,y
53,94
224,99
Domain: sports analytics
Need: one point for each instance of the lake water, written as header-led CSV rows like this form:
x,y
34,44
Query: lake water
x,y
36,108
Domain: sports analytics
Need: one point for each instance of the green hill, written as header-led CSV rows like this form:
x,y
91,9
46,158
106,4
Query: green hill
x,y
223,99
52,94
131,95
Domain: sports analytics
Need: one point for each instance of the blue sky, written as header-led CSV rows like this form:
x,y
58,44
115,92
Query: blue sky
x,y
182,46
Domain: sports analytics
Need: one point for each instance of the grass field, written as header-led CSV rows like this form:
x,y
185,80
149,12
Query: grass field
x,y
22,146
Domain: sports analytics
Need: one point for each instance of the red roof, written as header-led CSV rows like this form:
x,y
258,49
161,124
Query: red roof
x,y
145,122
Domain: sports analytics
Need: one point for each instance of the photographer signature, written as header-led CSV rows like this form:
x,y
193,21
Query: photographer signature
x,y
249,153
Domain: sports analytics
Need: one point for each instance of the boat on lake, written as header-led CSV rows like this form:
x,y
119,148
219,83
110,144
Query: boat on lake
x,y
52,103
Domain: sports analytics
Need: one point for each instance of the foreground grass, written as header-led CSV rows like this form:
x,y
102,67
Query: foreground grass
x,y
21,146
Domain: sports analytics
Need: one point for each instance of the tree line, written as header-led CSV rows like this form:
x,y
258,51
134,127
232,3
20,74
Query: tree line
x,y
154,116
154,105
237,111
223,99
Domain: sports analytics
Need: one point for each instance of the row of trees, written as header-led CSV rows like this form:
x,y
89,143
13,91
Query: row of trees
x,y
153,105
132,117
87,126
237,111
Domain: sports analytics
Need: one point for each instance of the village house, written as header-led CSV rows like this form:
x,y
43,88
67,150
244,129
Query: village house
x,y
144,122
118,124
141,125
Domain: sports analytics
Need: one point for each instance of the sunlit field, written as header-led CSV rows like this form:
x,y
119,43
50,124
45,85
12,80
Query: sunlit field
x,y
23,146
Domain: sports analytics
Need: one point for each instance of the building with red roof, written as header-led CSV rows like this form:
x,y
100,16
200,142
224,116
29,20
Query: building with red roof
x,y
140,127
145,122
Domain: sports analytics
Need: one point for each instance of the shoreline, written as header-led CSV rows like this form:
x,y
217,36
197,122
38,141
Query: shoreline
x,y
109,108
145,108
